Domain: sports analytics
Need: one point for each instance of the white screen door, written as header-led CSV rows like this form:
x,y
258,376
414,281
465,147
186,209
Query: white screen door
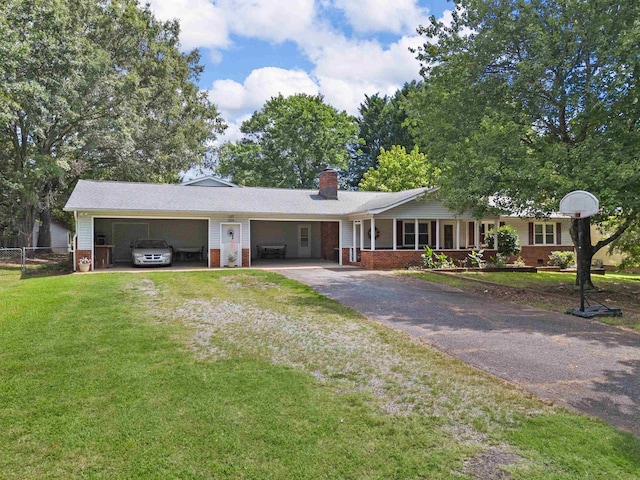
x,y
304,241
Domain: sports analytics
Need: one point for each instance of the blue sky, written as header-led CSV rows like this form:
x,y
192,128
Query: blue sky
x,y
342,49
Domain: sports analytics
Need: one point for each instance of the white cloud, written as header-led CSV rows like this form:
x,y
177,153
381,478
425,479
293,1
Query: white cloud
x,y
396,16
202,24
271,20
344,69
233,98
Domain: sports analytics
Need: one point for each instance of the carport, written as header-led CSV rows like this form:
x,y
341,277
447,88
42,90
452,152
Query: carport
x,y
114,236
294,239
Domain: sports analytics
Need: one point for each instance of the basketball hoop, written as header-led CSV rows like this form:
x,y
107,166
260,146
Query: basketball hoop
x,y
579,204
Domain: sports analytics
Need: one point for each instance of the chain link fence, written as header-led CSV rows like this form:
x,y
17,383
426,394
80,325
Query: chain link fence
x,y
11,259
35,261
47,261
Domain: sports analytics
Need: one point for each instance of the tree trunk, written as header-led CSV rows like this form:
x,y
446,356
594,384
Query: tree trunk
x,y
25,234
585,254
44,234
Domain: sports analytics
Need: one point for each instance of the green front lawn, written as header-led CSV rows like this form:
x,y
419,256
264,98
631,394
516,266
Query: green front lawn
x,y
248,375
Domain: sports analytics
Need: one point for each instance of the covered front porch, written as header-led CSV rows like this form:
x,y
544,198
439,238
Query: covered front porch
x,y
378,243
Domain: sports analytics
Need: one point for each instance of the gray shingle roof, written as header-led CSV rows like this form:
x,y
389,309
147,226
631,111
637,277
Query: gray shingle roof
x,y
90,195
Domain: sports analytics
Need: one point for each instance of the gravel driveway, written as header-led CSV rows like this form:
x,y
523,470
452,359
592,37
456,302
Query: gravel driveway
x,y
579,363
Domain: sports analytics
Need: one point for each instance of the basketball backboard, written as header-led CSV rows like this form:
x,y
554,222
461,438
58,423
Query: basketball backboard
x,y
579,204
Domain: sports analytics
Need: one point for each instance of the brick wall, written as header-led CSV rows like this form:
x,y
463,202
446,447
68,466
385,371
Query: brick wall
x,y
535,255
80,254
386,259
246,256
214,258
329,238
346,254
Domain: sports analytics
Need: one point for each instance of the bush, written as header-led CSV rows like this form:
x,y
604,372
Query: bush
x,y
431,260
562,259
476,259
508,241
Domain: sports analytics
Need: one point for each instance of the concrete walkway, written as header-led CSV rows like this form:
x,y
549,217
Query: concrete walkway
x,y
579,363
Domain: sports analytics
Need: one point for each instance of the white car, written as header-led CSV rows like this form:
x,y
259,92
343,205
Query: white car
x,y
151,252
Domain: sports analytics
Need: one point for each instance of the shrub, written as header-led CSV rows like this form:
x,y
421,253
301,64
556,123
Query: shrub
x,y
432,260
562,259
476,258
498,261
508,241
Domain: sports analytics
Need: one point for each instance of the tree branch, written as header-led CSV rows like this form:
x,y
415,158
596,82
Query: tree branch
x,y
627,223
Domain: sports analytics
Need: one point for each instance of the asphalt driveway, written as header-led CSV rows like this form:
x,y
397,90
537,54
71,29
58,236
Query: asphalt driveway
x,y
579,363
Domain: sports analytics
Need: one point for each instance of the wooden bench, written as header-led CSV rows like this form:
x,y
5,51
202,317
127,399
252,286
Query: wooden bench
x,y
272,251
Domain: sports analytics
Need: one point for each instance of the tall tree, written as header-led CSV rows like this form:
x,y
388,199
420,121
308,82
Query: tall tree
x,y
398,170
382,124
527,100
93,89
288,143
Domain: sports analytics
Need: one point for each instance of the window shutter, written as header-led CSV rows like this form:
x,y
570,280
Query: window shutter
x,y
399,233
502,224
558,233
472,234
530,233
432,237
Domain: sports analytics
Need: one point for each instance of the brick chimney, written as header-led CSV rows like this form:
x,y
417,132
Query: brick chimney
x,y
328,180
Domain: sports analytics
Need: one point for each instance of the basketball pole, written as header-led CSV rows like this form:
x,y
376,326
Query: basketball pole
x,y
580,257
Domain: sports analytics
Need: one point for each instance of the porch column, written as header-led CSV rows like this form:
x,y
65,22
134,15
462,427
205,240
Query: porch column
x,y
458,234
353,243
478,234
361,235
373,233
395,234
437,234
495,234
415,234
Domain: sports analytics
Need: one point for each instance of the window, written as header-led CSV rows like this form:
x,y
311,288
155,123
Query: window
x,y
544,234
409,234
486,230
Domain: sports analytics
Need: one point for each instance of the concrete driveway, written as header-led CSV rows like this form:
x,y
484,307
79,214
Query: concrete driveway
x,y
579,363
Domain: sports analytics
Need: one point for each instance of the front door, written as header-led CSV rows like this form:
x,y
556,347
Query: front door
x,y
304,241
230,245
448,237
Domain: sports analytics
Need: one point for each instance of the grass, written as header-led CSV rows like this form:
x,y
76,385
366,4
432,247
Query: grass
x,y
552,291
249,375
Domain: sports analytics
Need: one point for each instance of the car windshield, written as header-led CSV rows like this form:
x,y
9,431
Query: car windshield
x,y
151,244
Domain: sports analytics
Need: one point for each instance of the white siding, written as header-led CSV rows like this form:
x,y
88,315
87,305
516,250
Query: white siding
x,y
347,234
522,227
85,232
421,209
214,231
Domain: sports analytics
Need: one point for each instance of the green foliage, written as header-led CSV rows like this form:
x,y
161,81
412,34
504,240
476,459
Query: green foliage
x,y
382,123
432,260
476,258
92,89
427,257
562,259
399,170
628,244
288,143
508,241
498,261
540,100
